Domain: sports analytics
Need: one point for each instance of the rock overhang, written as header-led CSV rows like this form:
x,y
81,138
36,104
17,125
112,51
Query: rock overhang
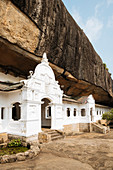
x,y
28,61
17,59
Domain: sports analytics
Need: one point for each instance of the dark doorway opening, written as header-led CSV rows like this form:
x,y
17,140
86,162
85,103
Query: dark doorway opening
x,y
46,113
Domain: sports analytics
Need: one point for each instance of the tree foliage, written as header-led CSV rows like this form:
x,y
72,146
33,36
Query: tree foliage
x,y
108,115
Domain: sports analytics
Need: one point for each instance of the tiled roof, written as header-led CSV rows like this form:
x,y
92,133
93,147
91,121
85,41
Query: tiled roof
x,y
80,100
98,105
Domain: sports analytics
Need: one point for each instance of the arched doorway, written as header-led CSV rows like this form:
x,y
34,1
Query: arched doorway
x,y
46,113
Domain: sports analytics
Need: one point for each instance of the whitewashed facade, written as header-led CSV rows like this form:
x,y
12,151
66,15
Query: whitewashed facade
x,y
39,103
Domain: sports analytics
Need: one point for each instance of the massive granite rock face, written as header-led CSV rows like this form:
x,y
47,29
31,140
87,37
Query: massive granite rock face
x,y
83,71
66,44
16,27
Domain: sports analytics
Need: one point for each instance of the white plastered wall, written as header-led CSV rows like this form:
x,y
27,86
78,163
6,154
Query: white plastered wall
x,y
99,111
78,118
42,85
7,99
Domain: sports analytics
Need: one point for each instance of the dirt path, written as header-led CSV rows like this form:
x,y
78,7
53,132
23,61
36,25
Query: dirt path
x,y
82,152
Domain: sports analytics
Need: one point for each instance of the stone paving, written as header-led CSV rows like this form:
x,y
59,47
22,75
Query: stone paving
x,y
86,151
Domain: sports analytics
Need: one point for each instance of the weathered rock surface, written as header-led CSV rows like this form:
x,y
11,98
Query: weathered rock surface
x,y
50,28
16,27
66,44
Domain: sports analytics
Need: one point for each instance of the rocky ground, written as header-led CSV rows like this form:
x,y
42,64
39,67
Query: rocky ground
x,y
86,151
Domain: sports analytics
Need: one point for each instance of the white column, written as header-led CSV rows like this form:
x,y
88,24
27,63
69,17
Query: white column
x,y
0,121
94,115
6,113
71,112
5,119
57,116
53,123
88,114
30,122
39,117
79,112
65,112
10,113
23,111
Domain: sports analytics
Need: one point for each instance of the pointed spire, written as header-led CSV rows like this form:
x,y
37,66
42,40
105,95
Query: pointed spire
x,y
44,59
45,56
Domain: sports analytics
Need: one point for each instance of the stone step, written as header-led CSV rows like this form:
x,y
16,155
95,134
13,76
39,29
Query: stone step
x,y
100,128
55,134
56,137
51,132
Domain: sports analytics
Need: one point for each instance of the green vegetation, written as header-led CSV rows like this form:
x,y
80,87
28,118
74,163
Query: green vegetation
x,y
13,147
108,115
12,150
15,143
105,66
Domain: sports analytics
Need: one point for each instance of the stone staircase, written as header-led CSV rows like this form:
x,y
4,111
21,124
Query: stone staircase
x,y
96,127
55,135
48,135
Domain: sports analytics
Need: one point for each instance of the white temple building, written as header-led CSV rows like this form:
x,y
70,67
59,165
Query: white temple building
x,y
38,102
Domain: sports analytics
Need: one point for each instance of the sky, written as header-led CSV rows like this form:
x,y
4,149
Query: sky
x,y
95,17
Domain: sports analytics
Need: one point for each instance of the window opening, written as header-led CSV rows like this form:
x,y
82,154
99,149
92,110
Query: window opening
x,y
68,112
97,112
2,113
83,112
74,111
16,111
48,112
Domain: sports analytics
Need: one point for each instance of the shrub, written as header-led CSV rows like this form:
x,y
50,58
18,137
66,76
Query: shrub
x,y
14,143
108,115
105,67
